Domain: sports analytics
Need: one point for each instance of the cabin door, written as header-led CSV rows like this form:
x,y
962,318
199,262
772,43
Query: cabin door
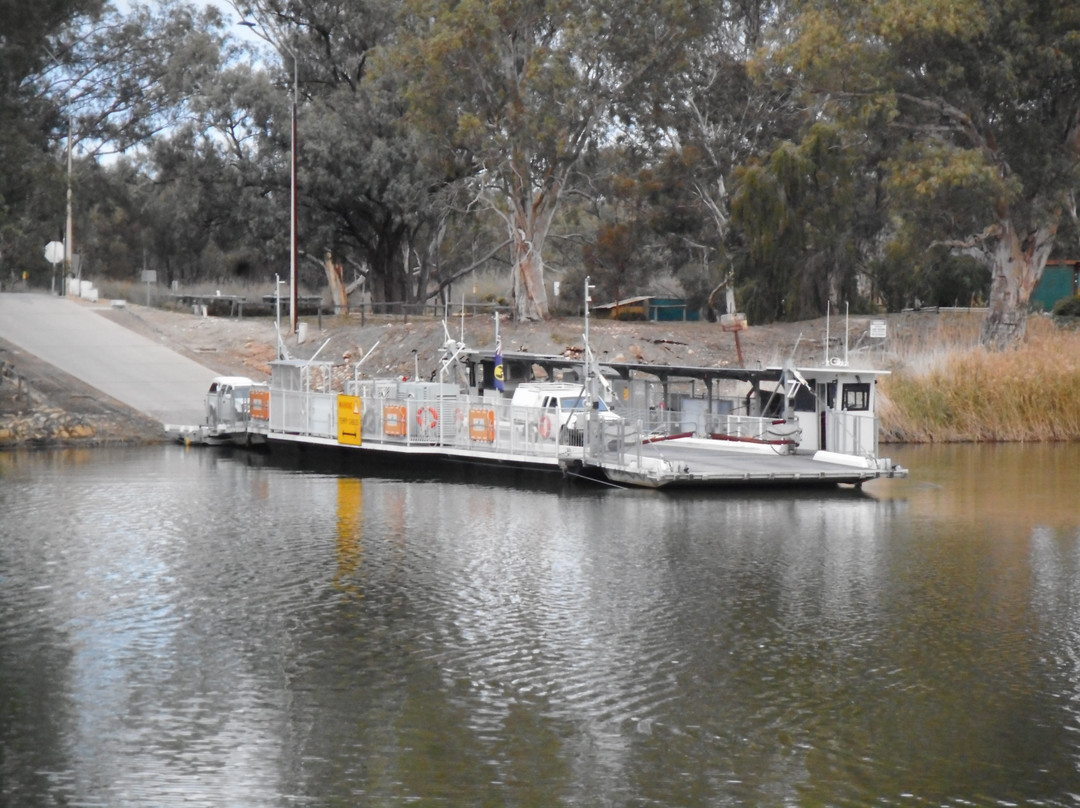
x,y
826,402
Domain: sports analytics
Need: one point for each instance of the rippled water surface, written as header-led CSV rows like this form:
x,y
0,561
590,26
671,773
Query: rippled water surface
x,y
198,628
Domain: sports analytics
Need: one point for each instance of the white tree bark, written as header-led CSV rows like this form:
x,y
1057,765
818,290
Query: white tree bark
x,y
1016,262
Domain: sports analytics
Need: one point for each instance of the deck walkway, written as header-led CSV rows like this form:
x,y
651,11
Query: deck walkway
x,y
713,461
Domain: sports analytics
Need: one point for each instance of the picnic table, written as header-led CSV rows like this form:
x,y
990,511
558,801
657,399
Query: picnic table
x,y
302,301
203,302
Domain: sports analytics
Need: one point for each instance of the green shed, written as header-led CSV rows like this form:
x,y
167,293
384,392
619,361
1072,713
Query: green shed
x,y
646,307
1059,279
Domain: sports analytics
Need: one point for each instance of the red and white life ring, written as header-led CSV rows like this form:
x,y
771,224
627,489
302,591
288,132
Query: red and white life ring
x,y
426,417
544,427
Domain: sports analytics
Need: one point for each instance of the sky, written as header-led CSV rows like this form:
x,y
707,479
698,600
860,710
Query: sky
x,y
226,9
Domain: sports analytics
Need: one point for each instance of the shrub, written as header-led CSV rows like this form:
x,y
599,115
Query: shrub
x,y
970,394
1067,307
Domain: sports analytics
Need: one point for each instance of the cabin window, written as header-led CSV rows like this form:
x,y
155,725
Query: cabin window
x,y
805,400
856,396
578,403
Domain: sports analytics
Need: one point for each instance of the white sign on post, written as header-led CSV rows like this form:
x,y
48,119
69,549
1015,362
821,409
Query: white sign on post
x,y
54,252
878,329
149,277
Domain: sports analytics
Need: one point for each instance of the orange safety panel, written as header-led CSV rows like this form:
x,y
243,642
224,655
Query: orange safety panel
x,y
482,425
259,405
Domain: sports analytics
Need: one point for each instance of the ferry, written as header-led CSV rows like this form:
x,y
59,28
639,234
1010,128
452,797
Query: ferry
x,y
617,423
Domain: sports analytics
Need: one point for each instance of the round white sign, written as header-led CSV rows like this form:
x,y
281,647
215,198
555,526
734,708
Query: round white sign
x,y
54,252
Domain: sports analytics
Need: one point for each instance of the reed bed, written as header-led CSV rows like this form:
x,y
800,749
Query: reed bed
x,y
952,390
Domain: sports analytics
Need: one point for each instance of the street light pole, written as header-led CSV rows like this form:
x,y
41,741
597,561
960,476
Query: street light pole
x,y
69,233
69,229
279,40
292,204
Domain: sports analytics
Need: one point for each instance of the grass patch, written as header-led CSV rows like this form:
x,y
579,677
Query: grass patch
x,y
954,391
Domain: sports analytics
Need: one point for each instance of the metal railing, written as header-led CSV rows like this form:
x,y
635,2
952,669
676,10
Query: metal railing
x,y
853,433
485,424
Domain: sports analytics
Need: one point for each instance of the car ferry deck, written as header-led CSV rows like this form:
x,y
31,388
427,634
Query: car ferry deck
x,y
647,426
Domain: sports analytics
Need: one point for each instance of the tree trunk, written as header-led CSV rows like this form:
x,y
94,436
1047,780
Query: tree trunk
x,y
387,281
1016,264
335,277
530,294
528,229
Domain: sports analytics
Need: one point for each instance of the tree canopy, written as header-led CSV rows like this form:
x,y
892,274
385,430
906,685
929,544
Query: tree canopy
x,y
975,106
798,152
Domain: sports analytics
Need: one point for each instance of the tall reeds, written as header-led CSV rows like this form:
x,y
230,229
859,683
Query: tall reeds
x,y
955,391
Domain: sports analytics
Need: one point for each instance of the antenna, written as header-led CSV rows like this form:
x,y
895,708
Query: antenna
x,y
828,308
847,332
589,385
836,361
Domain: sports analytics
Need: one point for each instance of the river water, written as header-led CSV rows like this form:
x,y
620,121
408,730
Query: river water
x,y
193,627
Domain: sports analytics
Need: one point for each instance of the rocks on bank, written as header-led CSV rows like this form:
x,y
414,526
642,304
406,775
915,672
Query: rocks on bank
x,y
39,410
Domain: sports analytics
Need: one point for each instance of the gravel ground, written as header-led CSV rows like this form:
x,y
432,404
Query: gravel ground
x,y
246,346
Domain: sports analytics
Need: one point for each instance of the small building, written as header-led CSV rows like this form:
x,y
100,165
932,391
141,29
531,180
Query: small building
x,y
646,307
1060,279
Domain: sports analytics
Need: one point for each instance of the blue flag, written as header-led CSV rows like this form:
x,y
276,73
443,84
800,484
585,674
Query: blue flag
x,y
499,377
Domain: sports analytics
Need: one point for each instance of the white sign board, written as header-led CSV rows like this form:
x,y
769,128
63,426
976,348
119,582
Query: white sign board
x,y
149,276
54,252
878,329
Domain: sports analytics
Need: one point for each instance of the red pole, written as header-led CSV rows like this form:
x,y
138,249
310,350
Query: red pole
x,y
293,294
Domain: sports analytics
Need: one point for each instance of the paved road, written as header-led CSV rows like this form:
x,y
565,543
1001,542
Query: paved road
x,y
135,370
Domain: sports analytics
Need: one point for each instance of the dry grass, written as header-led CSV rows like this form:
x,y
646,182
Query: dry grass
x,y
952,390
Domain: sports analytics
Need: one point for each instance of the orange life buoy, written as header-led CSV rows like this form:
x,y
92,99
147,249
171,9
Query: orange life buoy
x,y
544,427
426,417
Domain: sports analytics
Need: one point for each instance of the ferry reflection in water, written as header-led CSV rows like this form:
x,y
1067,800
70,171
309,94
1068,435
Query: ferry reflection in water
x,y
186,627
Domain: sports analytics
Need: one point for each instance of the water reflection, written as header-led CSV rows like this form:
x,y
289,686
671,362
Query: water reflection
x,y
1055,565
198,628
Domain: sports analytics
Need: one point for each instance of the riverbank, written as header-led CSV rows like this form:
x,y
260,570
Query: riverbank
x,y
968,395
41,407
926,351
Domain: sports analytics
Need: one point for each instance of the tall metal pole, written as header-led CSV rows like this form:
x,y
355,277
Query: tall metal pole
x,y
589,386
293,295
277,38
69,233
69,229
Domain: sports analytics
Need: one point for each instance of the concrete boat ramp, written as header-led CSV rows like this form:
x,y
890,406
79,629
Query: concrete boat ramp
x,y
76,338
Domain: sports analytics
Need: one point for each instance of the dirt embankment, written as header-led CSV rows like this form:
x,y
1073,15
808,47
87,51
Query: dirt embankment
x,y
41,406
393,345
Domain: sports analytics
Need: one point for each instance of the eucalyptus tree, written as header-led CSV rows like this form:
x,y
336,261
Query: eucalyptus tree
x,y
365,187
804,210
693,139
35,128
514,92
125,79
978,104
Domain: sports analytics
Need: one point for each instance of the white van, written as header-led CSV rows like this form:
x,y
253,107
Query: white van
x,y
227,400
555,409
